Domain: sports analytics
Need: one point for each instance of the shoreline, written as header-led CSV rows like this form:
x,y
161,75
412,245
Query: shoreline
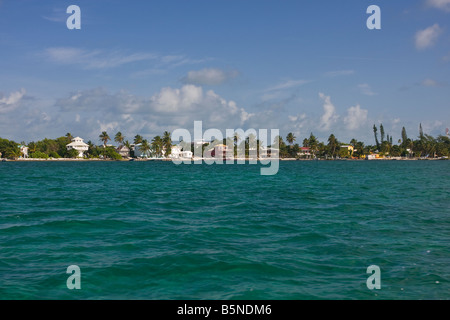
x,y
210,159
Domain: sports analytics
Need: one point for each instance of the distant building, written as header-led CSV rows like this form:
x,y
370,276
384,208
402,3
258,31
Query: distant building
x,y
269,152
23,151
79,145
373,156
220,151
199,142
124,151
350,149
139,154
305,152
177,153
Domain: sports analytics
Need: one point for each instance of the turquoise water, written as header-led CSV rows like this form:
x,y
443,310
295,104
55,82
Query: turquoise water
x,y
153,230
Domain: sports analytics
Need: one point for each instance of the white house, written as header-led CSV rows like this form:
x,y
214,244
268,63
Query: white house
x,y
124,151
305,152
139,154
23,151
269,152
178,153
78,144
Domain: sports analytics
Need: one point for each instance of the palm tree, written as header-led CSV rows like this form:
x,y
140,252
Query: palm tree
x,y
290,138
249,146
382,133
305,143
138,139
69,136
236,138
313,144
404,138
144,147
167,143
359,148
375,130
119,138
32,147
332,145
157,145
105,138
13,153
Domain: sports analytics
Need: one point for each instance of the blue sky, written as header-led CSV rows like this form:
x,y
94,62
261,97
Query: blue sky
x,y
143,67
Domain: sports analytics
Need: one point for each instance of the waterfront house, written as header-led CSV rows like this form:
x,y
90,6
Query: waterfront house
x,y
269,152
23,151
79,145
139,154
350,149
372,156
124,151
177,153
220,151
304,153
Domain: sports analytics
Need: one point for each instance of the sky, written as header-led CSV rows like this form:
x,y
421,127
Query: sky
x,y
144,67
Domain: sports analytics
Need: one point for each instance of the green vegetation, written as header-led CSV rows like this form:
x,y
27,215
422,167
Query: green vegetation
x,y
426,146
105,138
157,146
9,149
39,155
119,138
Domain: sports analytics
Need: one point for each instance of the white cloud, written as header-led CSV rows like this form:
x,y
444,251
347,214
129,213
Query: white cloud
x,y
366,89
427,38
298,117
356,117
440,4
167,109
329,117
170,100
11,102
109,126
209,76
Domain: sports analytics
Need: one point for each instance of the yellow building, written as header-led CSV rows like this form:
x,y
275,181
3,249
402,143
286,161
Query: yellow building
x,y
349,148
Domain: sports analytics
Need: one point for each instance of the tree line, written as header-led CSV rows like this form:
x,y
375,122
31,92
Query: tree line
x,y
425,146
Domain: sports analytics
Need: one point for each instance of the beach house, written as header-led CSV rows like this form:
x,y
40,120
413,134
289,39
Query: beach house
x,y
220,151
178,153
350,149
304,153
79,145
124,151
138,153
269,152
23,151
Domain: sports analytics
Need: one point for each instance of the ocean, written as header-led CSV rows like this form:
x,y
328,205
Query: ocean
x,y
154,230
